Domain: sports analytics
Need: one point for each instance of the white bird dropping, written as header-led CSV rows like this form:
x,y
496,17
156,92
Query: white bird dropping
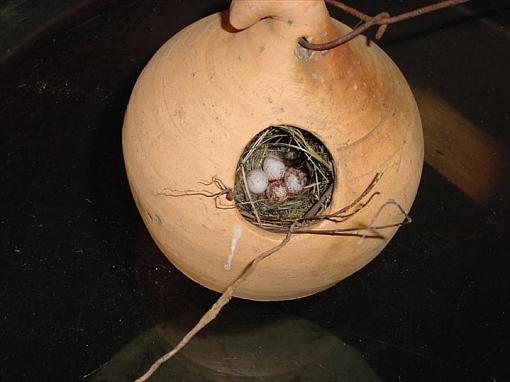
x,y
236,235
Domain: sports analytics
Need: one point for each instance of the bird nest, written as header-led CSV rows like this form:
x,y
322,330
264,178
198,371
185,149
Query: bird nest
x,y
298,150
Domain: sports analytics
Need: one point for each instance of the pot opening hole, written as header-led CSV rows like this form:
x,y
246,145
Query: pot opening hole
x,y
285,174
303,53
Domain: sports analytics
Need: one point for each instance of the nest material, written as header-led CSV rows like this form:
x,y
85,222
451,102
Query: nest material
x,y
297,148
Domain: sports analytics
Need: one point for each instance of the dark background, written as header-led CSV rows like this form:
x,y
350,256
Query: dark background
x,y
80,278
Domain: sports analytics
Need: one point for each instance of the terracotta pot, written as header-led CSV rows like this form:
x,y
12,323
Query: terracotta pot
x,y
216,84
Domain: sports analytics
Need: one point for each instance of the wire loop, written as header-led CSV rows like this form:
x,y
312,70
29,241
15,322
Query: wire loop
x,y
382,20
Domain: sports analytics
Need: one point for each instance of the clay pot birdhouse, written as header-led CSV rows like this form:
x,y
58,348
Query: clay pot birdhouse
x,y
235,134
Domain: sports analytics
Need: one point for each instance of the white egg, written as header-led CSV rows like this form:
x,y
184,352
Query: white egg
x,y
274,167
257,181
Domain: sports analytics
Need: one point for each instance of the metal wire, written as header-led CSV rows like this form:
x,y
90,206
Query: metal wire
x,y
382,20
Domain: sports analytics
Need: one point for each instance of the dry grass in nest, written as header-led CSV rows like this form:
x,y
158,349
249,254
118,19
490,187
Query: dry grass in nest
x,y
297,148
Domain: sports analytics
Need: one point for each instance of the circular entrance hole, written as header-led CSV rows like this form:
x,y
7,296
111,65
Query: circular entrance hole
x,y
284,175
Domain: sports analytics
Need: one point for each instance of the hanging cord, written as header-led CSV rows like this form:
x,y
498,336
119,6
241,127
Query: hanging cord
x,y
382,20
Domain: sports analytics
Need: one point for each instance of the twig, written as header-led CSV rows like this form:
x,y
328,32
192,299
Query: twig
x,y
317,206
352,231
339,218
356,201
382,20
371,227
85,376
218,305
355,231
176,194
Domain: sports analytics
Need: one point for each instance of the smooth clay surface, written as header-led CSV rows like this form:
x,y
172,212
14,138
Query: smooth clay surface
x,y
216,84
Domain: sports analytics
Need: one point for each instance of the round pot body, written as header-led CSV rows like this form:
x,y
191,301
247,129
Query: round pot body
x,y
215,85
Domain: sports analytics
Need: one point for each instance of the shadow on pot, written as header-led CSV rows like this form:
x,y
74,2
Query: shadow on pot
x,y
279,347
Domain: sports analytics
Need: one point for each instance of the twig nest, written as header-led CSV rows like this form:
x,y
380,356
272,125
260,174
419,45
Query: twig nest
x,y
277,191
257,181
295,180
309,159
274,167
